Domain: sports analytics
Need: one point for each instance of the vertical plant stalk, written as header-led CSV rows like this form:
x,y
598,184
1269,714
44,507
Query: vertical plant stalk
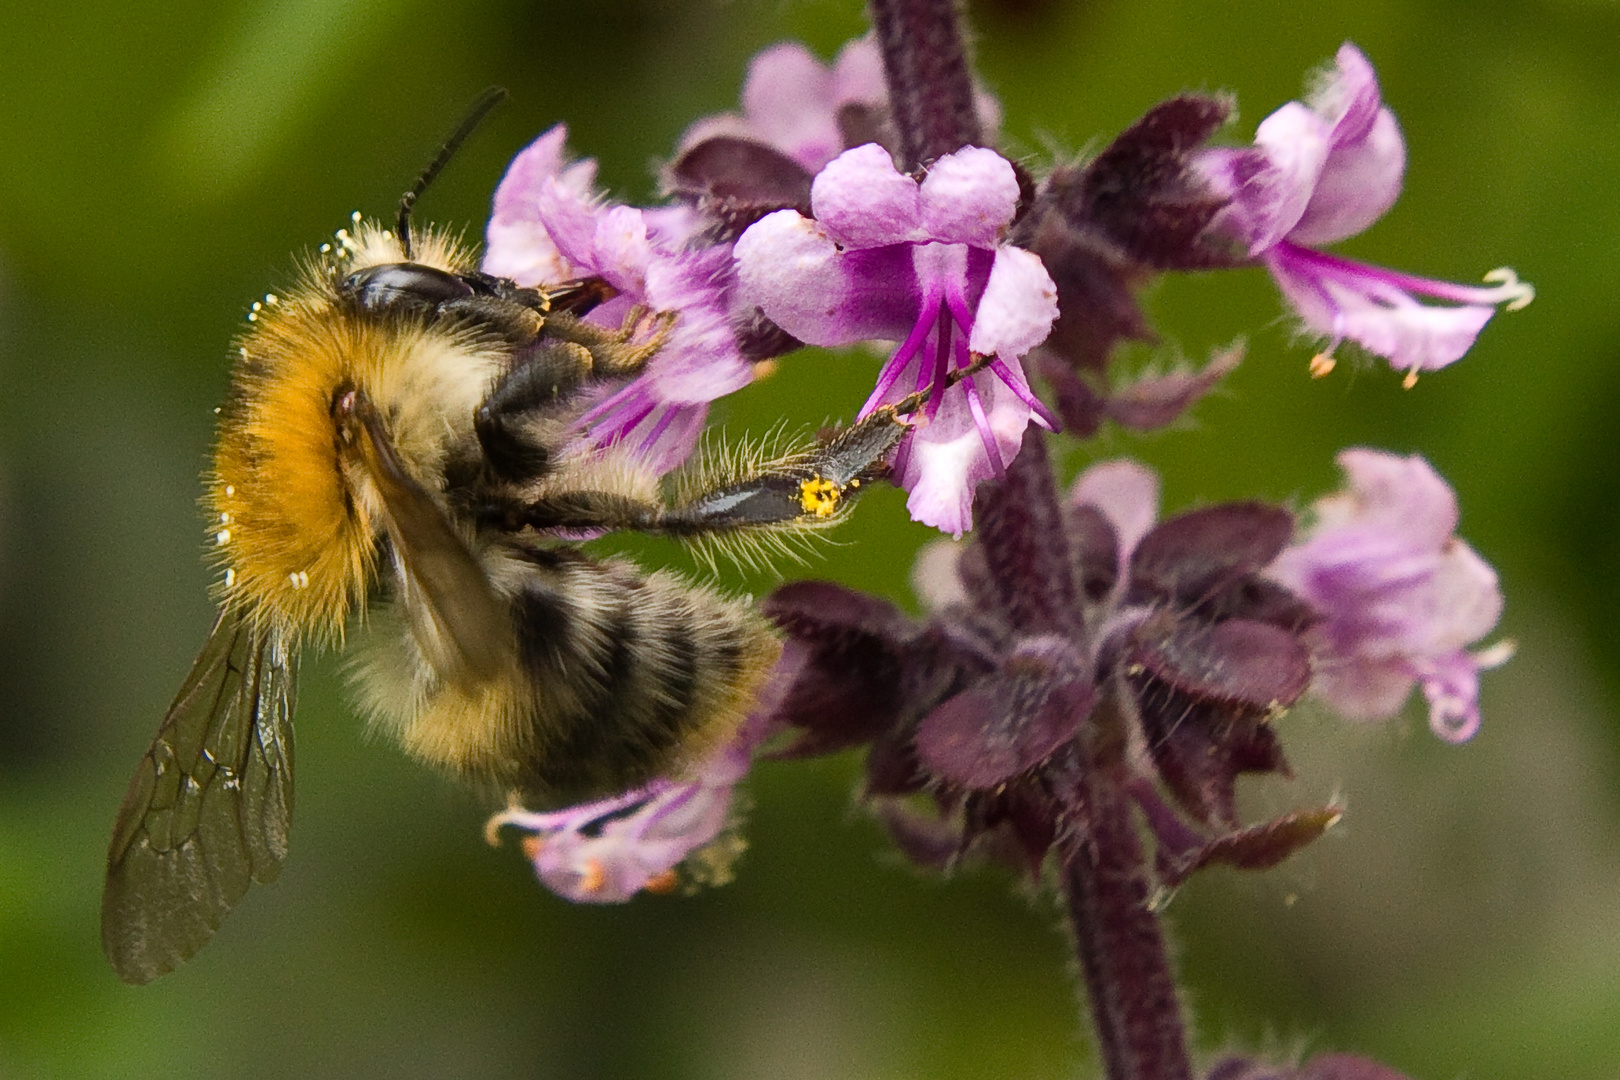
x,y
1105,875
1107,889
930,86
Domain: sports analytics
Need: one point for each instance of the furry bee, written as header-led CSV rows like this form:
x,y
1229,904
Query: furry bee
x,y
401,437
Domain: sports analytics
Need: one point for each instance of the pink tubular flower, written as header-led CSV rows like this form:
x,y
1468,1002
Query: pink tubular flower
x,y
1399,594
608,850
923,264
548,226
1319,173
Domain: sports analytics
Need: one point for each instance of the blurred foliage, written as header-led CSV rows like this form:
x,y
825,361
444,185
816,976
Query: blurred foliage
x,y
162,161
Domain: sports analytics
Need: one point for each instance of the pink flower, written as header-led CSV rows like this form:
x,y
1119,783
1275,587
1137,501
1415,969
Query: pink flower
x,y
608,850
923,264
549,226
1319,173
1399,594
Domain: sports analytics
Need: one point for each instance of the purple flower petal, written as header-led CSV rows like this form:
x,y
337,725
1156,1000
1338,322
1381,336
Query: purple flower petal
x,y
659,436
946,458
1359,182
588,855
858,74
789,102
570,219
608,850
1343,300
1269,187
882,260
1348,97
792,102
519,246
863,201
1401,496
1451,685
550,226
968,197
700,361
1294,141
789,266
1361,688
1318,174
1018,307
620,249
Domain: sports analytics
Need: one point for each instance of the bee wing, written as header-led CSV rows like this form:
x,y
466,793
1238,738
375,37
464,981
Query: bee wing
x,y
209,808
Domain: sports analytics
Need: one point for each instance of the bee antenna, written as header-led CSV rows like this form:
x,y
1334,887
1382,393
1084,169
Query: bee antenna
x,y
475,116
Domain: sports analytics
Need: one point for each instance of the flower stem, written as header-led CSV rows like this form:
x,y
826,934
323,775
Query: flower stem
x,y
1022,531
1121,946
1105,873
930,86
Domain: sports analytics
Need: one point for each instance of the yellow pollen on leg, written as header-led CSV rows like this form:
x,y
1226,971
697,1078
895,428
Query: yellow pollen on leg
x,y
532,844
1322,364
1410,380
819,496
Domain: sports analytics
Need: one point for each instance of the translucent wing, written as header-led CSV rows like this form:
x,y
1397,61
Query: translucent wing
x,y
209,808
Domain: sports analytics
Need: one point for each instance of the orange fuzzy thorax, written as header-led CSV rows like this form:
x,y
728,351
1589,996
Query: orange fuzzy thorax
x,y
298,534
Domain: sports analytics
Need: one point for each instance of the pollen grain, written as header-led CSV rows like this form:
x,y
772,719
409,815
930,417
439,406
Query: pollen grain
x,y
819,496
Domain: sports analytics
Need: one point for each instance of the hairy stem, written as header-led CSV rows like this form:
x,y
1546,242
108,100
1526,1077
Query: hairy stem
x,y
930,85
1021,530
1106,886
1106,878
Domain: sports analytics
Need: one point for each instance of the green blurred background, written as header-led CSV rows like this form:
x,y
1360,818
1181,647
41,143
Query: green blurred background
x,y
160,162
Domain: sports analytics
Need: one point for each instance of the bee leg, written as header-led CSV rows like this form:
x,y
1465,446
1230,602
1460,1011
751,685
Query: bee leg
x,y
811,487
511,423
519,323
620,352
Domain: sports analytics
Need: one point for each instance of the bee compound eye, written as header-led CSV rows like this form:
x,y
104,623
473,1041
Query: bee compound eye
x,y
408,287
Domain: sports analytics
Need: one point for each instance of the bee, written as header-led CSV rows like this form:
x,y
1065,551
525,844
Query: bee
x,y
402,438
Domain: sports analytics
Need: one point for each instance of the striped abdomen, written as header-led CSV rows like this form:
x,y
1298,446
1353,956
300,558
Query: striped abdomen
x,y
619,676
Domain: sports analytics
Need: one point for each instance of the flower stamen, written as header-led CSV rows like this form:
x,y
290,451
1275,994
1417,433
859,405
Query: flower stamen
x,y
902,356
663,884
591,876
1521,292
982,422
